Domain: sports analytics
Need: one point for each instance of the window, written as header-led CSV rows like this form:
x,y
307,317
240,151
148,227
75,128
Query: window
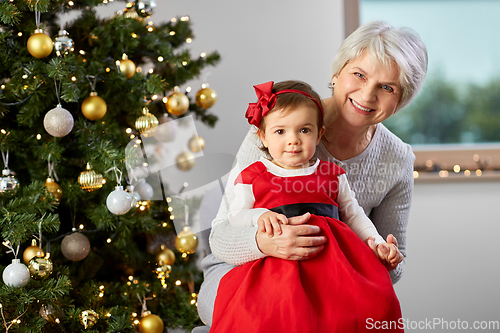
x,y
456,118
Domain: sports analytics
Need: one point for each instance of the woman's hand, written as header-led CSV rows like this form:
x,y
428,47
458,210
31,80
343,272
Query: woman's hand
x,y
388,253
298,240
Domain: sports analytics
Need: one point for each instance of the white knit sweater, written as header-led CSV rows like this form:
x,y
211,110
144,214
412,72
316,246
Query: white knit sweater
x,y
381,176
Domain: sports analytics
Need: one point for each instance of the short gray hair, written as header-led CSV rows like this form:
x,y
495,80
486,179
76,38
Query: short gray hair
x,y
387,44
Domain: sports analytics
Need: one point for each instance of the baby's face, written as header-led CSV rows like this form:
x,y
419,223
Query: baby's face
x,y
291,136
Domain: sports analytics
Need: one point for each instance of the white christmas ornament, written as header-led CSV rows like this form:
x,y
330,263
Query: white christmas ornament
x,y
144,189
135,196
119,202
58,122
16,274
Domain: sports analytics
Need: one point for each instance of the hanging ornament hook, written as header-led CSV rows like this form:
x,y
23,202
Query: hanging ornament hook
x,y
58,91
52,172
118,174
92,83
5,157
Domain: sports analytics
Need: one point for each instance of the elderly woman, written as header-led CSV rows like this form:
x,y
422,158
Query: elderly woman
x,y
377,71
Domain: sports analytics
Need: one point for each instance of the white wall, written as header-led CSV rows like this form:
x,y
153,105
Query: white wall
x,y
453,268
259,41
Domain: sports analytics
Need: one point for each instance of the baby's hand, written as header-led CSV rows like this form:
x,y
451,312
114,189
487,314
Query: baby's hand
x,y
389,255
269,222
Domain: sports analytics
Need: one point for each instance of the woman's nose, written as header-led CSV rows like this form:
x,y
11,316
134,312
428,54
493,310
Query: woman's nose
x,y
369,94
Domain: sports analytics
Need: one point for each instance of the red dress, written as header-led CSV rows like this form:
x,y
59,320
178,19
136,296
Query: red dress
x,y
345,288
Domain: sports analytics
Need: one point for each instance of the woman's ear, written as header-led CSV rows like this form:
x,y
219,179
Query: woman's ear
x,y
262,137
333,80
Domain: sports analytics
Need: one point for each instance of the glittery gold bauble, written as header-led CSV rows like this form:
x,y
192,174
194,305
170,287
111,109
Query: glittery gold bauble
x,y
90,180
186,241
75,247
145,123
206,98
54,189
165,256
150,323
32,251
127,67
177,103
185,161
88,318
40,267
39,44
196,143
94,107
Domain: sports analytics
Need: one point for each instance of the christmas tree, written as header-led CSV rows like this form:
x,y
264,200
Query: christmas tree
x,y
81,253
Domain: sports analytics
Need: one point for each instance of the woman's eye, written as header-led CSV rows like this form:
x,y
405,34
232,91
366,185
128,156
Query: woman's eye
x,y
359,75
388,88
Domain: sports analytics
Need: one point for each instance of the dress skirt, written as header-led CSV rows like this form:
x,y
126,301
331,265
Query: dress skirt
x,y
344,289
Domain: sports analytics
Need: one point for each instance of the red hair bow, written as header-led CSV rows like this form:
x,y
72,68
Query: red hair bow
x,y
266,101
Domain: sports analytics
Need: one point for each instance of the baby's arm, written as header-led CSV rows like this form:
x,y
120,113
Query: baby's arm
x,y
241,211
270,221
352,214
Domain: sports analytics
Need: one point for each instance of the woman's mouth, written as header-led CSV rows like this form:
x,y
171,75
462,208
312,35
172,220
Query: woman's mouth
x,y
362,108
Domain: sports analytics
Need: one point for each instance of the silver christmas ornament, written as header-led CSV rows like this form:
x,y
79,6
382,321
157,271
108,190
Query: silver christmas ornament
x,y
58,122
8,182
145,8
63,44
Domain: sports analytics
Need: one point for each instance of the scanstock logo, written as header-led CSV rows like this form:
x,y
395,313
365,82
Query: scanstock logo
x,y
162,164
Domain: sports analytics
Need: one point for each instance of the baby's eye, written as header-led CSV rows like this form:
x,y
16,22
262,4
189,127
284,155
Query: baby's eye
x,y
305,130
280,131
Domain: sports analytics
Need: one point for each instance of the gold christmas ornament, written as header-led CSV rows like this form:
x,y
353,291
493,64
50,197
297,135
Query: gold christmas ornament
x,y
185,161
75,247
40,267
196,143
186,241
88,318
32,251
145,123
90,180
54,189
127,67
94,107
39,44
165,256
206,98
150,323
177,103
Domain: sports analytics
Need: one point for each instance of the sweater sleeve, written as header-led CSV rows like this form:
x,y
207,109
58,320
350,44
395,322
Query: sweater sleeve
x,y
236,245
391,215
353,215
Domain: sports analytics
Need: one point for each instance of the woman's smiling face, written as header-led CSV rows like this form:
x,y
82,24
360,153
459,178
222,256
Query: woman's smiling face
x,y
366,93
